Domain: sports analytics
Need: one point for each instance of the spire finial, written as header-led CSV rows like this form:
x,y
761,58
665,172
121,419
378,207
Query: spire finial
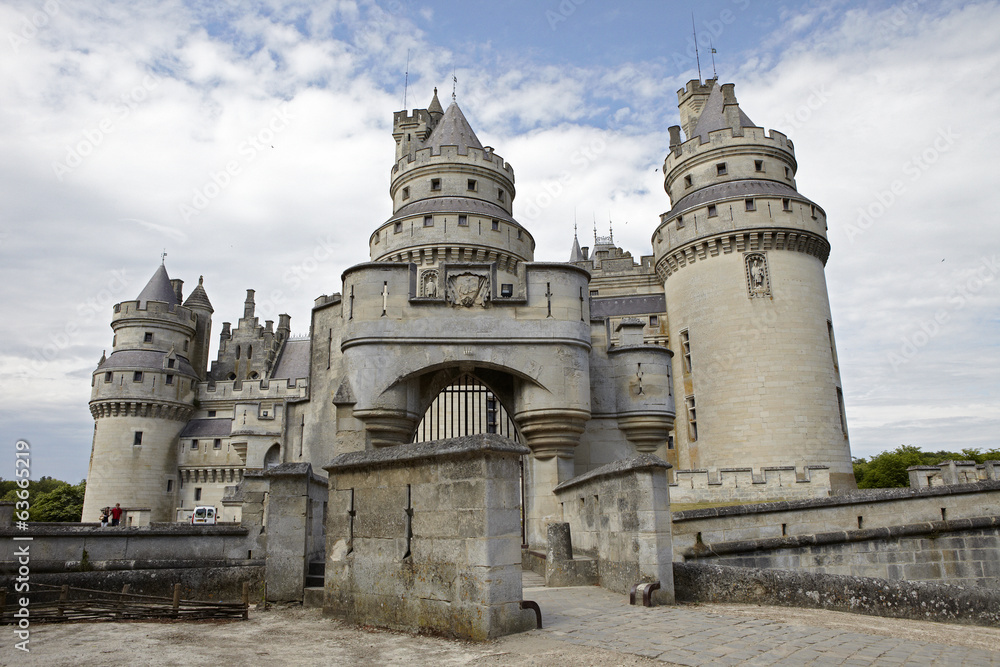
x,y
163,256
201,279
711,46
454,86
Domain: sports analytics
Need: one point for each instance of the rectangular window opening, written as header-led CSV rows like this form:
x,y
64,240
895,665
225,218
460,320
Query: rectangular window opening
x,y
688,182
500,194
750,204
692,418
147,337
170,379
170,485
721,169
406,193
108,377
211,413
654,321
137,438
435,184
397,228
428,221
686,350
758,165
495,225
217,443
506,289
194,444
137,376
712,211
786,205
197,493
171,363
471,186
463,221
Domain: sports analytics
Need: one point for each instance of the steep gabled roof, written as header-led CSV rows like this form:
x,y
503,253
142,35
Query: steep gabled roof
x,y
453,130
712,117
158,289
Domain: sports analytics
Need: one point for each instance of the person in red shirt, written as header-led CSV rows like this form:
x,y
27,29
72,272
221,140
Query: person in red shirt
x,y
116,514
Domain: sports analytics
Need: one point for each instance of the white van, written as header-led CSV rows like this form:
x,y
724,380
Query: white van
x,y
204,516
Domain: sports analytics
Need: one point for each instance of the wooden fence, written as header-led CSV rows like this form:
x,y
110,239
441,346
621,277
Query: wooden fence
x,y
54,604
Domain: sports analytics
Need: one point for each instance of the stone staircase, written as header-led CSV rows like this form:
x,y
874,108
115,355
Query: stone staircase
x,y
312,594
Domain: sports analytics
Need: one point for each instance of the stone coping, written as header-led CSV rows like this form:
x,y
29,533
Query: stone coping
x,y
645,347
91,530
294,470
451,447
620,467
856,498
839,537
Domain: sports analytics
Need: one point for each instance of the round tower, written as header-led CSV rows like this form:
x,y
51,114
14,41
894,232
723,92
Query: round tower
x,y
451,199
742,257
142,396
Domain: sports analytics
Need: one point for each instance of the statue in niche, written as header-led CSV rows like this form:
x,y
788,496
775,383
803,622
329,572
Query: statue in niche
x,y
429,282
468,289
758,282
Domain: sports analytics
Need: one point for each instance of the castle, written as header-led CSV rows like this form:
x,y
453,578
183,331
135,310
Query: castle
x,y
715,352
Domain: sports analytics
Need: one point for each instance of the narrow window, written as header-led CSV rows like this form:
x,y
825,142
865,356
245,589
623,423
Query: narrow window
x,y
171,362
500,194
833,345
238,351
397,228
495,225
687,181
786,205
654,321
712,211
788,173
185,345
435,184
108,377
170,379
147,337
843,412
472,185
211,413
686,350
463,221
751,206
197,494
758,165
217,443
137,376
720,169
428,221
249,351
194,445
170,485
670,440
406,192
812,211
692,418
137,438
506,289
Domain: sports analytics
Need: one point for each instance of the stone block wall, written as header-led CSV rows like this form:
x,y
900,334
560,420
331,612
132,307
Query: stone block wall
x,y
620,515
858,511
743,484
426,537
953,472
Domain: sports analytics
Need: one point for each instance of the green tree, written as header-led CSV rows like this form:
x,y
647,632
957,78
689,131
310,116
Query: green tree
x,y
888,469
62,503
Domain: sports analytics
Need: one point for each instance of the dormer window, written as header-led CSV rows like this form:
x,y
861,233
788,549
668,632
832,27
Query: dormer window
x,y
171,362
720,169
435,184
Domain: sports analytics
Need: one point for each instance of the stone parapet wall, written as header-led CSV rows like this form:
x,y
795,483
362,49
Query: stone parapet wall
x,y
784,482
861,510
698,582
619,514
427,537
963,552
953,472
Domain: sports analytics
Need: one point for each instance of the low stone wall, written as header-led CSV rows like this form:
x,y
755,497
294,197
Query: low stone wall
x,y
743,484
953,472
698,582
620,515
858,511
210,562
963,552
427,537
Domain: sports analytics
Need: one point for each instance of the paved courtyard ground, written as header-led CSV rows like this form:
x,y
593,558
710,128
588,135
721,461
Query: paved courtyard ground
x,y
583,626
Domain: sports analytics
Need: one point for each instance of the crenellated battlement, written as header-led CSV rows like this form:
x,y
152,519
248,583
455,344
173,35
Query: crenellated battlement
x,y
745,484
728,137
254,390
451,154
154,310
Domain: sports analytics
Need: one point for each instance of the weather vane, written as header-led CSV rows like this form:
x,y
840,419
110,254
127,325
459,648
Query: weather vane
x,y
163,256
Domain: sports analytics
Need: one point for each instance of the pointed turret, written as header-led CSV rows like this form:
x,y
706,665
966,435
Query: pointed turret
x,y
199,298
453,130
159,288
435,110
200,305
575,254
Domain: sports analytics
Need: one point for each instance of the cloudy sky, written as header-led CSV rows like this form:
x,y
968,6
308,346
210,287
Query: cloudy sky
x,y
251,141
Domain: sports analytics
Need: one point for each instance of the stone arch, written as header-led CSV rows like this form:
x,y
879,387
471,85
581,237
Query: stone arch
x,y
273,456
466,405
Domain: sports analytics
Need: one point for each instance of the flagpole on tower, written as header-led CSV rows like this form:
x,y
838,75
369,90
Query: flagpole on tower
x,y
712,47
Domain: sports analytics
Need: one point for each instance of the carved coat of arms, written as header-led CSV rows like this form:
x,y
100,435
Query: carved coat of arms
x,y
468,289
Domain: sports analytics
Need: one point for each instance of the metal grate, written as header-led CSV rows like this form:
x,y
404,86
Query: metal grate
x,y
465,407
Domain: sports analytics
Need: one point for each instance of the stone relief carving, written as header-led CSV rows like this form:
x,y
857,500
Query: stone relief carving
x,y
758,278
468,289
429,284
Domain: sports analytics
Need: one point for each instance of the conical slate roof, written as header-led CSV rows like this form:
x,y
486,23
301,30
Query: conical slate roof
x,y
453,130
158,289
435,105
712,117
576,255
199,298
